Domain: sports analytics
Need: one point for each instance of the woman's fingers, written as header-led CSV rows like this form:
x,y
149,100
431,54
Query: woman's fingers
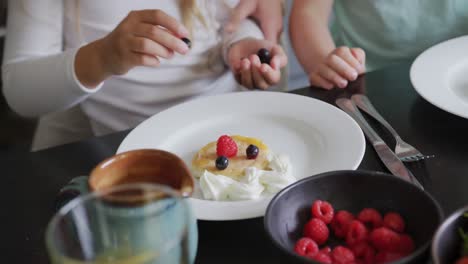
x,y
160,18
148,46
143,59
162,37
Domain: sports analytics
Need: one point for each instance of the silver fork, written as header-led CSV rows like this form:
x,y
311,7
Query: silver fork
x,y
404,151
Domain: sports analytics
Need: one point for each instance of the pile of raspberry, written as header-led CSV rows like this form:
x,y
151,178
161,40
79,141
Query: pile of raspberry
x,y
368,237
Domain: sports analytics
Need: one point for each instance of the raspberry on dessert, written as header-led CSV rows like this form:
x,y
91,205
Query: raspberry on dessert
x,y
370,217
317,230
323,211
405,245
357,232
251,152
341,222
226,146
384,239
387,257
364,252
394,221
321,257
342,255
306,246
222,162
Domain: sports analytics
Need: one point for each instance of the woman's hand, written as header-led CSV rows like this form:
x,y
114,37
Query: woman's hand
x,y
139,40
341,66
268,13
143,37
247,68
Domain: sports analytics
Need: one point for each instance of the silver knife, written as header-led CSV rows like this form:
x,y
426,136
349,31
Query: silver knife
x,y
391,161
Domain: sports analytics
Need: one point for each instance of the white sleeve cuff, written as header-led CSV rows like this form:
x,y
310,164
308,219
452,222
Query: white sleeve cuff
x,y
71,73
247,29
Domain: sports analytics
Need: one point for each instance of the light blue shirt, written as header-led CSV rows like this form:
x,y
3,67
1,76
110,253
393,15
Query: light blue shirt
x,y
395,30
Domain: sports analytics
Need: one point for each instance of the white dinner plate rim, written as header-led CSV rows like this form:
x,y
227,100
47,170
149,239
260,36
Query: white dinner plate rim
x,y
444,99
263,202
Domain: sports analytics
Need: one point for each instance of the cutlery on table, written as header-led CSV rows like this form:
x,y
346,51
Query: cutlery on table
x,y
403,150
390,160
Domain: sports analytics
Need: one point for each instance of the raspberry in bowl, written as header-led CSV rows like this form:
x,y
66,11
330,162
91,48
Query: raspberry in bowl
x,y
360,203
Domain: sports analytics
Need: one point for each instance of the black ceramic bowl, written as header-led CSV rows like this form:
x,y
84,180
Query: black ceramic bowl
x,y
289,210
447,241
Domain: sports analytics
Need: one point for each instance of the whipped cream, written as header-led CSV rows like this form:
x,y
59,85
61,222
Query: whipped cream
x,y
255,182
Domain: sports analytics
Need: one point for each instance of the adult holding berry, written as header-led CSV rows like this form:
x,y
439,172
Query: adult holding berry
x,y
366,35
94,67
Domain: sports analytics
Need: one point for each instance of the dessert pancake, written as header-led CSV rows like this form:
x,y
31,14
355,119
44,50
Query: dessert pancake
x,y
205,158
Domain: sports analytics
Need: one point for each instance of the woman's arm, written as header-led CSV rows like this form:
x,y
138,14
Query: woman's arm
x,y
326,65
38,77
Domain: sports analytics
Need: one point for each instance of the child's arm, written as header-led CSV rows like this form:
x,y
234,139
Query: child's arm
x,y
240,49
326,65
268,13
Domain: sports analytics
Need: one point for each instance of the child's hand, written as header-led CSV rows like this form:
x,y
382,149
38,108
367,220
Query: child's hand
x,y
140,39
341,66
246,65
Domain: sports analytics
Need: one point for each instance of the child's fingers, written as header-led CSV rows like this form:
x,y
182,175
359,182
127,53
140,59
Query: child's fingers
x,y
341,67
317,80
259,81
360,55
332,76
270,75
279,58
236,65
246,75
345,54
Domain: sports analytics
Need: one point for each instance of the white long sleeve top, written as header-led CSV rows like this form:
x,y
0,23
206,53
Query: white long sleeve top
x,y
43,37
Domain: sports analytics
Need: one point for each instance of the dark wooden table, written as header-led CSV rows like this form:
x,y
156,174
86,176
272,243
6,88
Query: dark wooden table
x,y
30,181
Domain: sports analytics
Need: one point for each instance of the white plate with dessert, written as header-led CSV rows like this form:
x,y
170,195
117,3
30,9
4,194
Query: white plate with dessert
x,y
439,76
278,137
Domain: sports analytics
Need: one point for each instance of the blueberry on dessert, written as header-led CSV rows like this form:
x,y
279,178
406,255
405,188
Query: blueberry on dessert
x,y
222,163
264,55
251,151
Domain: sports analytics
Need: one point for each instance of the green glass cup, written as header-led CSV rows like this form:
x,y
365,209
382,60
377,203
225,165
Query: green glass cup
x,y
135,223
